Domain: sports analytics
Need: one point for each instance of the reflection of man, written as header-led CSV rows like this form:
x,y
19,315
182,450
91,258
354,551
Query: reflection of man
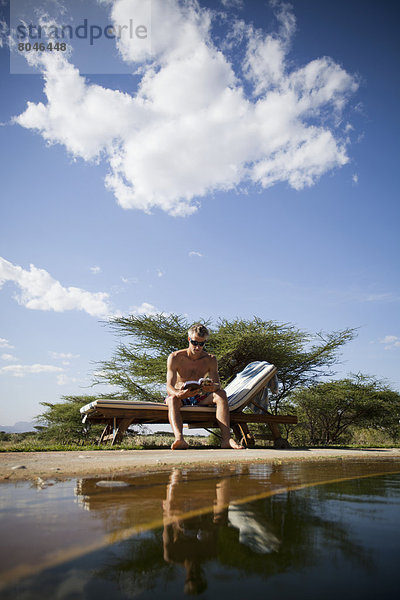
x,y
191,541
192,364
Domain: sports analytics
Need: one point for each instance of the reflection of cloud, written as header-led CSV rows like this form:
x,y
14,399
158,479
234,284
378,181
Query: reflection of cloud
x,y
391,341
39,291
191,121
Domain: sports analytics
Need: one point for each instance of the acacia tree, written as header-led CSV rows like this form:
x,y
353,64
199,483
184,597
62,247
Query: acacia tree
x,y
138,367
328,411
62,421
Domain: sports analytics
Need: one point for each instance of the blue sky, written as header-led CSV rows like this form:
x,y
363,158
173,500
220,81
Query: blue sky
x,y
246,164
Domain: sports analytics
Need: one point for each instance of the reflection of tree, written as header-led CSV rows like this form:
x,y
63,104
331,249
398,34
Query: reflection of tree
x,y
138,564
206,524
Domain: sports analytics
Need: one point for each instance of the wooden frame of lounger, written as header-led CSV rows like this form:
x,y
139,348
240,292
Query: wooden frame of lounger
x,y
118,415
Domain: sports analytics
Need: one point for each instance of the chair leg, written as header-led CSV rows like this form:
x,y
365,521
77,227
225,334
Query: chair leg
x,y
243,434
105,433
120,431
279,442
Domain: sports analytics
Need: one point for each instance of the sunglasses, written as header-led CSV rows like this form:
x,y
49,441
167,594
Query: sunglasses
x,y
196,343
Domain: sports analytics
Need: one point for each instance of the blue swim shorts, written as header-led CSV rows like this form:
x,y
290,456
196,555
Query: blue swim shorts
x,y
194,400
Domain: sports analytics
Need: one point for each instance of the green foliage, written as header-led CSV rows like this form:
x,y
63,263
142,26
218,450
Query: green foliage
x,y
138,367
62,422
331,412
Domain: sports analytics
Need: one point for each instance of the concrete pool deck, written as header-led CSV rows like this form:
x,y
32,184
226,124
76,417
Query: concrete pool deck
x,y
25,466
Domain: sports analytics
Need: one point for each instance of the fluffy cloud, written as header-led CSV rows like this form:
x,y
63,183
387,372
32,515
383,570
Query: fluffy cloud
x,y
39,291
232,3
63,379
197,124
194,253
3,342
144,309
63,355
391,342
23,370
8,357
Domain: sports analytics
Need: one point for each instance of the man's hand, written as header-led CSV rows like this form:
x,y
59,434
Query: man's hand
x,y
209,387
183,394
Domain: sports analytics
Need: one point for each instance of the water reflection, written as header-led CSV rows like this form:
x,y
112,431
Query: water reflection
x,y
190,542
301,528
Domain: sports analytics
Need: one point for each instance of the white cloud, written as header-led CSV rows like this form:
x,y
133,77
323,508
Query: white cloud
x,y
191,121
63,379
4,32
391,342
3,342
8,357
232,3
194,253
355,178
63,355
95,270
383,297
23,370
39,291
159,273
129,280
144,309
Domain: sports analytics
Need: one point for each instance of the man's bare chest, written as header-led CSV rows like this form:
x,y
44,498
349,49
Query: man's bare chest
x,y
192,369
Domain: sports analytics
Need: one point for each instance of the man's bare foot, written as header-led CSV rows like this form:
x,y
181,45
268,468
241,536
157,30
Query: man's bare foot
x,y
232,444
179,445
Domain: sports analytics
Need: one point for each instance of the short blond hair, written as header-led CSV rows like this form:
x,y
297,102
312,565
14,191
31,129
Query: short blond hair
x,y
200,329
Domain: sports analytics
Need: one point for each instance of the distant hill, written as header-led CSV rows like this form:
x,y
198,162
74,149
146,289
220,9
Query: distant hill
x,y
20,427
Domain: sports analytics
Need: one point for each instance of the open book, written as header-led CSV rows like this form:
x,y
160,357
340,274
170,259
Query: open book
x,y
196,385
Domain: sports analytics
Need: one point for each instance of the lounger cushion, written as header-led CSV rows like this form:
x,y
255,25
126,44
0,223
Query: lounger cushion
x,y
248,383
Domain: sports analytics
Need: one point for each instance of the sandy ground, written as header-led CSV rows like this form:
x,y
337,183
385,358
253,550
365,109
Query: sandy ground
x,y
17,466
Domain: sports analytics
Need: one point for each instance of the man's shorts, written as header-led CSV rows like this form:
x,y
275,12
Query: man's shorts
x,y
193,400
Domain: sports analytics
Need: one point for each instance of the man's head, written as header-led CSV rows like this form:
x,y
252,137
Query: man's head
x,y
197,336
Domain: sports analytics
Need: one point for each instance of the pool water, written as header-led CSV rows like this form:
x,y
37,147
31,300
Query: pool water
x,y
296,530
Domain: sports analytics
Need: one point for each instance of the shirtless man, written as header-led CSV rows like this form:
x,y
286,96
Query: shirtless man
x,y
191,364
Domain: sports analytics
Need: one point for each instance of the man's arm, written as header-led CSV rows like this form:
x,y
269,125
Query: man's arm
x,y
171,380
213,374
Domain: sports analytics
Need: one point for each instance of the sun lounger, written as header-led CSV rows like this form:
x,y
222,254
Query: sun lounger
x,y
249,389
